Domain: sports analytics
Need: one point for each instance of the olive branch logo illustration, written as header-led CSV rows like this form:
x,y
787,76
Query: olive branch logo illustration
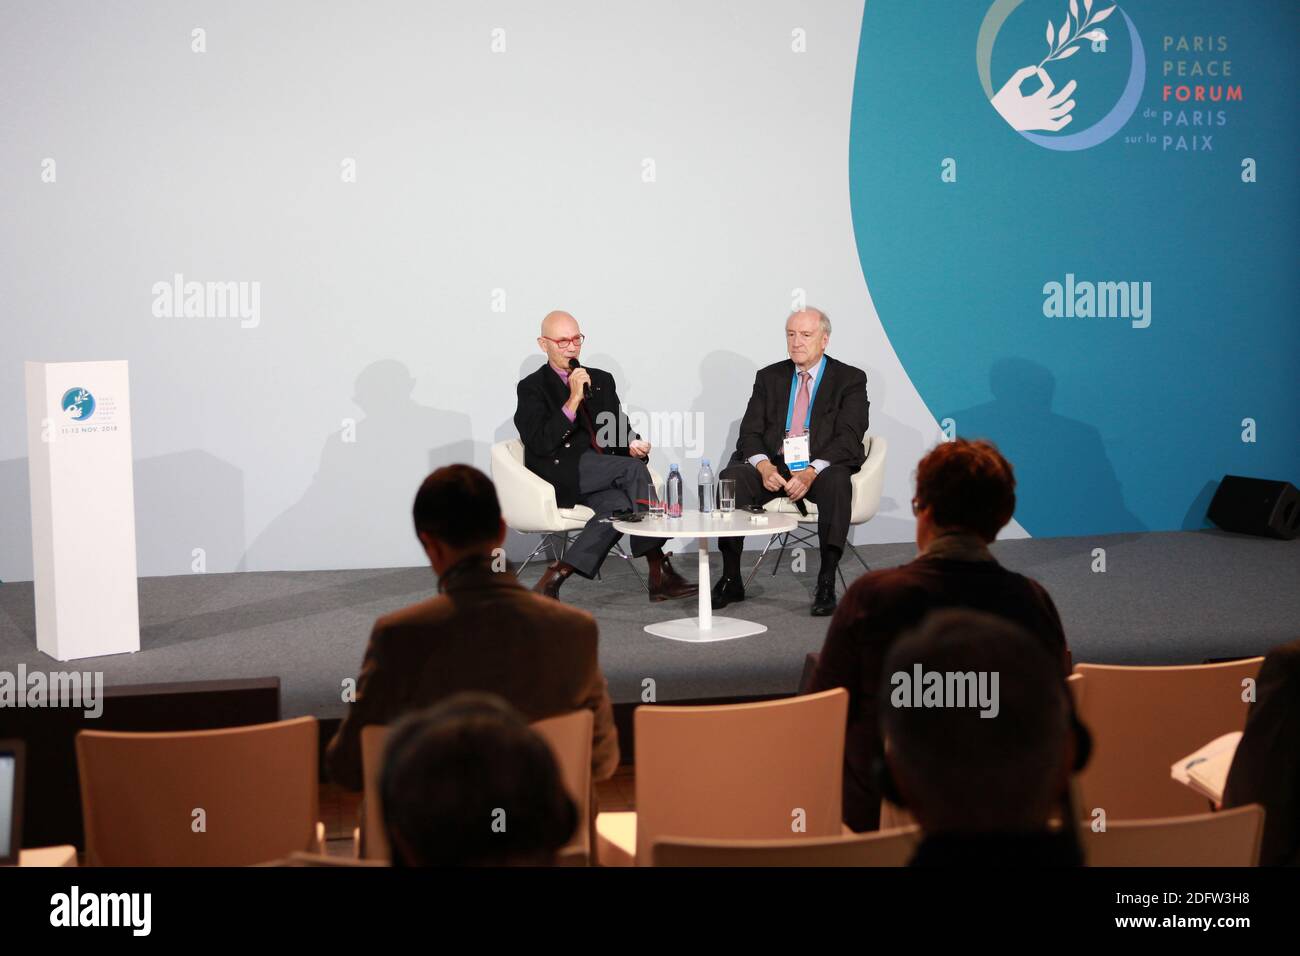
x,y
1058,41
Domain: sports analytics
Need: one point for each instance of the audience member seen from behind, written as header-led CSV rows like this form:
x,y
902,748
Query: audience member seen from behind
x,y
469,783
965,494
983,750
1266,766
484,631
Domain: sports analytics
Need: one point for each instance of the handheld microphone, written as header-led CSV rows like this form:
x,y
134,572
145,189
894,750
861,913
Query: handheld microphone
x,y
586,386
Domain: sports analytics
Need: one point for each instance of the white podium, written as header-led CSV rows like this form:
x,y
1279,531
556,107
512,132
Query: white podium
x,y
83,509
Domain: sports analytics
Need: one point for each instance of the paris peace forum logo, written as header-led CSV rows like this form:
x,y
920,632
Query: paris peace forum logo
x,y
78,404
1103,91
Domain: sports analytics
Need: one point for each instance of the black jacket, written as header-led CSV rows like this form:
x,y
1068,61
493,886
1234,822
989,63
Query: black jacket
x,y
1266,767
552,443
839,415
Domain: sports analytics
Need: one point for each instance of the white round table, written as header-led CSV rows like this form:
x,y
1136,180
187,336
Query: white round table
x,y
702,527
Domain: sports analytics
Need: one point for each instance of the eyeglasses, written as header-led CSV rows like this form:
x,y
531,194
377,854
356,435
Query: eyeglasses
x,y
566,343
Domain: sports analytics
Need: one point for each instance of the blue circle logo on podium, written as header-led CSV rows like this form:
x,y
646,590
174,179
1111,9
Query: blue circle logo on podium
x,y
78,405
1099,91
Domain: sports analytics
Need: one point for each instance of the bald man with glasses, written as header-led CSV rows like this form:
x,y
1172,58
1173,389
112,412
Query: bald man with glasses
x,y
576,436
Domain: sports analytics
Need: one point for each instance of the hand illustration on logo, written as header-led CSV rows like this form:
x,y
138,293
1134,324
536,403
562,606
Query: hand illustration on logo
x,y
1040,110
1043,110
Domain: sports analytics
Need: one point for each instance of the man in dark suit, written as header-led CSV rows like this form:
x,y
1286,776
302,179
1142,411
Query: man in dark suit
x,y
576,436
801,437
483,632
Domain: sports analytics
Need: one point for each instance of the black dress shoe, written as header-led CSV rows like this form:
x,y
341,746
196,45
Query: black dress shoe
x,y
727,591
823,604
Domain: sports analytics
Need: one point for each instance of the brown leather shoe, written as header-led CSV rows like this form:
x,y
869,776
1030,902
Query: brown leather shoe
x,y
666,583
549,585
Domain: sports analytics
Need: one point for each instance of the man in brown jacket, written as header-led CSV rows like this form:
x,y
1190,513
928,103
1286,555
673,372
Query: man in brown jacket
x,y
483,632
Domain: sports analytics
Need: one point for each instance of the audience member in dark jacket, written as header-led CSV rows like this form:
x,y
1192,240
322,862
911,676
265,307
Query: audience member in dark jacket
x,y
1266,767
965,493
980,743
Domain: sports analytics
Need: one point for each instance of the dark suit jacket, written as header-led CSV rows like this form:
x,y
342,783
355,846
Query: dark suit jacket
x,y
839,415
552,443
486,632
1266,767
880,607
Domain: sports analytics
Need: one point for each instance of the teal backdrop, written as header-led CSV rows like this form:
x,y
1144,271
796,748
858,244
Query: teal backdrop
x,y
1111,427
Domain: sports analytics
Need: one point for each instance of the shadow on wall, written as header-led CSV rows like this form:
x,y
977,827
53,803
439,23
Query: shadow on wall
x,y
356,513
184,501
1064,479
1197,517
894,522
726,382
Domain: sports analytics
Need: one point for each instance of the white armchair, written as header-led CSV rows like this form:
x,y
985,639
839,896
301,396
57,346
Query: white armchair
x,y
868,485
528,504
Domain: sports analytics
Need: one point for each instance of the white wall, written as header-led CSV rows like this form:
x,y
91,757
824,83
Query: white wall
x,y
476,171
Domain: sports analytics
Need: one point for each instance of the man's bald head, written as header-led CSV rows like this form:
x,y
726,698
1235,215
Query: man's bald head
x,y
564,327
558,325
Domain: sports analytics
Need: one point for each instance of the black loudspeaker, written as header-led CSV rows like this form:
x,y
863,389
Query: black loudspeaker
x,y
1258,506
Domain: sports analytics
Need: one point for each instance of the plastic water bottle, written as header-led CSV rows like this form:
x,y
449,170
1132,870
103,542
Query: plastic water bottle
x,y
674,503
706,487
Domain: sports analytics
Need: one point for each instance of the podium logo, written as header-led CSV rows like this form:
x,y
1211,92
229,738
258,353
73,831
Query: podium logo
x,y
78,404
179,299
1047,110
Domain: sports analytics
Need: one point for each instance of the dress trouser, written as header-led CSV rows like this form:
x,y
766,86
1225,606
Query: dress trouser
x,y
831,491
606,484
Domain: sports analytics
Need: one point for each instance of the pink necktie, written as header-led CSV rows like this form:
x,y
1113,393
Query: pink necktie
x,y
800,406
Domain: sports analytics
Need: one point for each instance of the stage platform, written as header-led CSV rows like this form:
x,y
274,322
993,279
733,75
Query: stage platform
x,y
1165,598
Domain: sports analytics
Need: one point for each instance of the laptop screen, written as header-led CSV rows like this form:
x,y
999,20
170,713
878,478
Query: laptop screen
x,y
8,786
10,800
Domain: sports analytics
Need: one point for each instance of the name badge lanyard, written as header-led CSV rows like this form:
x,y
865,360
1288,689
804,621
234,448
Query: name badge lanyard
x,y
812,398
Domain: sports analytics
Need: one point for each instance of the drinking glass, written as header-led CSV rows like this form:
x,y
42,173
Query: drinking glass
x,y
727,495
654,504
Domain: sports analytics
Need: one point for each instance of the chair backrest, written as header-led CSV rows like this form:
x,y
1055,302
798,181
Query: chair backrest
x,y
229,797
1228,838
769,770
869,481
885,848
527,500
569,737
1143,719
374,842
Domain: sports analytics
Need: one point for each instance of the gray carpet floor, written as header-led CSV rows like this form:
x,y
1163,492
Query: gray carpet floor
x,y
1165,598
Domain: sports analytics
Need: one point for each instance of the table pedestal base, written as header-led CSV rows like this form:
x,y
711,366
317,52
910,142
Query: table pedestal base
x,y
720,629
